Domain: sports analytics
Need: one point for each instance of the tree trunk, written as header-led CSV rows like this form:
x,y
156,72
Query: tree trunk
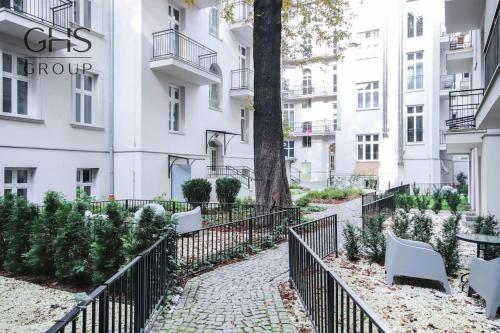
x,y
271,183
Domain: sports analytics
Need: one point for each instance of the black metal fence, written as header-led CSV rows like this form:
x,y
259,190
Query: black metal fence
x,y
352,181
127,302
54,13
331,305
462,108
492,52
242,79
373,204
172,44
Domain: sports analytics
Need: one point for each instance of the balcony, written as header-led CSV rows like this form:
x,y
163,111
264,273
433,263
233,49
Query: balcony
x,y
459,54
463,105
453,82
206,3
17,17
242,23
488,115
313,128
461,15
241,84
317,90
183,58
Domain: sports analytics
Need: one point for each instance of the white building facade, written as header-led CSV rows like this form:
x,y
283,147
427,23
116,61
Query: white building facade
x,y
161,96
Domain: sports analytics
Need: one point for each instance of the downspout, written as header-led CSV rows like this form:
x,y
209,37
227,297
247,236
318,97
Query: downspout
x,y
400,91
385,130
111,100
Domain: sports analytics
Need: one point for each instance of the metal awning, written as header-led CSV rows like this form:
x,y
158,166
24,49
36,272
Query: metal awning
x,y
228,136
173,158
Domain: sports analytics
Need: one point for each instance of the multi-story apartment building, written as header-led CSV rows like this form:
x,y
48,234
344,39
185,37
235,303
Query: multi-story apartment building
x,y
472,110
161,94
388,121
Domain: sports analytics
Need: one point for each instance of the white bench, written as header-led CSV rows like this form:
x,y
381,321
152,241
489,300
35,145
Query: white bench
x,y
484,278
413,259
188,221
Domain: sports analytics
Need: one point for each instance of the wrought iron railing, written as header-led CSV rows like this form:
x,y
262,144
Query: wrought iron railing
x,y
319,89
242,11
331,305
463,105
460,41
346,180
448,82
243,174
374,203
323,127
492,53
172,44
128,301
242,79
53,13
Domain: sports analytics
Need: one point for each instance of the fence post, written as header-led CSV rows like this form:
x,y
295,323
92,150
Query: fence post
x,y
126,204
330,306
173,207
103,311
250,231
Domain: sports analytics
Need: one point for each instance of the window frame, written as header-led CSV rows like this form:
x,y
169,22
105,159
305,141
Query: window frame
x,y
83,93
372,142
371,91
414,115
306,141
244,128
418,26
79,16
171,103
15,78
289,114
214,22
413,64
289,148
14,185
81,184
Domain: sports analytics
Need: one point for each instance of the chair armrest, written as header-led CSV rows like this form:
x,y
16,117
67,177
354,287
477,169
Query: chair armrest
x,y
416,244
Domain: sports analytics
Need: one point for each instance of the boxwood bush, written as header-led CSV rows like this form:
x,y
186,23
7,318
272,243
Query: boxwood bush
x,y
227,189
197,190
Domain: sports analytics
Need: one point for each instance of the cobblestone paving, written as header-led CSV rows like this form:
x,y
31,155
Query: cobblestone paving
x,y
242,297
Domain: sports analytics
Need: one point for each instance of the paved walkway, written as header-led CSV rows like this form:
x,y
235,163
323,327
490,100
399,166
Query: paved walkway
x,y
242,297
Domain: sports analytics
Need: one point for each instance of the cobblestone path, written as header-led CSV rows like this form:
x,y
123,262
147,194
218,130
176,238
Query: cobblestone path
x,y
242,297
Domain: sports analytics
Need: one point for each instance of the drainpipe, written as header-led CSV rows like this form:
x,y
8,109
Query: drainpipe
x,y
385,130
400,91
111,101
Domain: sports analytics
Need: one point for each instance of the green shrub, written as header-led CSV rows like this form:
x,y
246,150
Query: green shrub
x,y
40,257
447,245
72,244
485,225
227,190
437,197
422,228
415,189
197,190
303,202
401,224
374,239
404,201
352,241
17,235
106,250
422,202
453,200
332,193
7,207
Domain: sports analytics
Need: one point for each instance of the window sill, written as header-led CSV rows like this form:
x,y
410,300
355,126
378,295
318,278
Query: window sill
x,y
214,109
215,36
414,90
367,161
415,143
176,132
370,109
87,127
24,119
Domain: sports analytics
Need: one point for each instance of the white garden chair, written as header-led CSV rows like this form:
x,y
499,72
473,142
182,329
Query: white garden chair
x,y
484,278
188,221
413,259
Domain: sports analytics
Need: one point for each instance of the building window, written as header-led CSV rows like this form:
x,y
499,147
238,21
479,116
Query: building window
x,y
415,123
306,82
306,104
307,45
174,109
335,120
15,85
215,90
368,147
244,125
368,95
306,142
289,147
334,83
17,181
415,70
288,114
213,22
415,26
85,181
84,98
83,13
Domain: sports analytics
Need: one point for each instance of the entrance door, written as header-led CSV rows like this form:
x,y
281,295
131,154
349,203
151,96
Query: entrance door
x,y
214,156
179,174
306,171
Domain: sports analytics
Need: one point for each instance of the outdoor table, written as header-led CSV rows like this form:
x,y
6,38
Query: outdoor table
x,y
479,239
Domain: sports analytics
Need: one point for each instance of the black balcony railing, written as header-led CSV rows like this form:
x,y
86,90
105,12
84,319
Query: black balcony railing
x,y
242,79
463,107
172,44
492,53
54,13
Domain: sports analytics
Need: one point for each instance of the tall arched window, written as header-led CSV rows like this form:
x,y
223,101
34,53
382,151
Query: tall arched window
x,y
215,90
306,81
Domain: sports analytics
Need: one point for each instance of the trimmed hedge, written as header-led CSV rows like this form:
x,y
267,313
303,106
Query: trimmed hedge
x,y
197,190
227,189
